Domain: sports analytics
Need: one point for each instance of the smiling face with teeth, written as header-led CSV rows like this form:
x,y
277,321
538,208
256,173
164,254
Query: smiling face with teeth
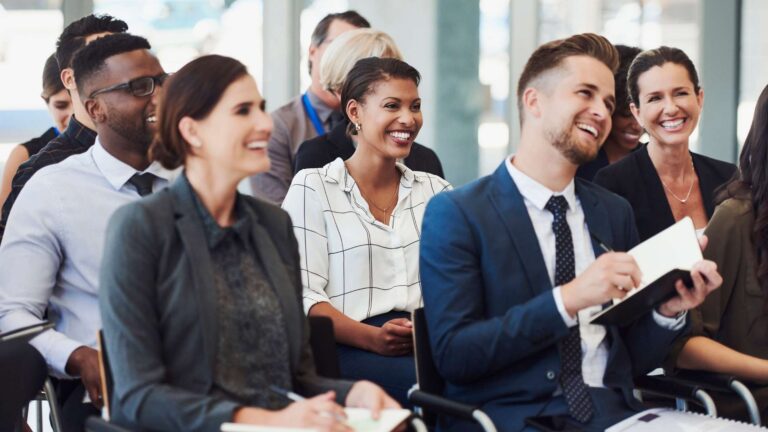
x,y
232,139
573,107
669,107
122,119
390,118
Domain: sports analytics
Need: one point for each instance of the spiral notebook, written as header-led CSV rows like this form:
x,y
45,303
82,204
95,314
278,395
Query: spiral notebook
x,y
670,420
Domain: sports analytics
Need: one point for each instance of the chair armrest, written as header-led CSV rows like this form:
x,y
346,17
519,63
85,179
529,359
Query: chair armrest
x,y
444,406
710,380
97,424
665,386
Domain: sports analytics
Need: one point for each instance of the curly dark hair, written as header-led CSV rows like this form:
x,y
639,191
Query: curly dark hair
x,y
74,35
751,182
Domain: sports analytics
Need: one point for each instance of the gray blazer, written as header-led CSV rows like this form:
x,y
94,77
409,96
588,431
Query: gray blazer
x,y
291,128
158,308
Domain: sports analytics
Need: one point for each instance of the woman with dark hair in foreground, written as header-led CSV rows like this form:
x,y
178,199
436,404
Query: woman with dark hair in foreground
x,y
200,287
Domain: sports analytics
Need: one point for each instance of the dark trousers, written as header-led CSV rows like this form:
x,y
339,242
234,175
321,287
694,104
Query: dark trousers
x,y
22,374
609,409
74,412
396,375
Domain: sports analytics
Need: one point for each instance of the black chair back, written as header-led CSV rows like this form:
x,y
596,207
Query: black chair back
x,y
323,343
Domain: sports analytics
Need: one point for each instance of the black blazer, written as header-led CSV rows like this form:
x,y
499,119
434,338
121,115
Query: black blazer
x,y
158,309
635,178
322,150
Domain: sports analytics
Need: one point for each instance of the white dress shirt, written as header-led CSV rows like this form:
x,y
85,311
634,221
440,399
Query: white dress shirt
x,y
51,253
594,347
359,265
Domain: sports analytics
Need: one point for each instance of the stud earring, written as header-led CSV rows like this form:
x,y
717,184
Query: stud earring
x,y
358,127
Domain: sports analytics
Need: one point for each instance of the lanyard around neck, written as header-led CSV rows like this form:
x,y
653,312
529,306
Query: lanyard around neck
x,y
312,115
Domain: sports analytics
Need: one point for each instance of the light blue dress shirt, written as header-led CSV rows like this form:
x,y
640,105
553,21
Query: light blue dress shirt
x,y
51,253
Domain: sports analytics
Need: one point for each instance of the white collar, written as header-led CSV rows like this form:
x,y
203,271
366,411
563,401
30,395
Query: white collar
x,y
118,172
336,172
535,192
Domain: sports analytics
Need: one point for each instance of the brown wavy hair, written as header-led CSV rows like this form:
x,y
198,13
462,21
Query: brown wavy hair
x,y
751,182
192,92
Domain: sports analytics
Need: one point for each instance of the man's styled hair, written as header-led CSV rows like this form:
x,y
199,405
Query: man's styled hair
x,y
550,55
74,35
90,60
658,57
320,34
350,47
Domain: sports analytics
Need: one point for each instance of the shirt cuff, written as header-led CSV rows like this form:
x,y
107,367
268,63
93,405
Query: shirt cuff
x,y
674,323
56,349
567,319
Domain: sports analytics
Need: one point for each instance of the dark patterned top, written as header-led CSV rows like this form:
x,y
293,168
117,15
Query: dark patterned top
x,y
252,340
34,145
75,140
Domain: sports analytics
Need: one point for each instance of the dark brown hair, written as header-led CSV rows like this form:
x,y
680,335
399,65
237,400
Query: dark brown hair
x,y
51,78
658,57
74,35
626,55
551,54
751,181
362,78
192,92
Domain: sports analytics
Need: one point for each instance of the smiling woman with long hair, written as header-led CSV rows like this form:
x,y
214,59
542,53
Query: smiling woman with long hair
x,y
665,181
200,285
358,223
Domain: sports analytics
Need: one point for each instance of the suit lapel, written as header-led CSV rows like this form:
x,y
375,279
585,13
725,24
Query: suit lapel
x,y
196,247
596,216
508,202
280,281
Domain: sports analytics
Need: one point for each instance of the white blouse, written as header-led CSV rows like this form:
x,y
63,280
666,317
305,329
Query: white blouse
x,y
361,266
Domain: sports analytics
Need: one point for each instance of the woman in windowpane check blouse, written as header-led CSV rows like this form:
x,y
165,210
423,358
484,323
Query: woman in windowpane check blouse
x,y
358,224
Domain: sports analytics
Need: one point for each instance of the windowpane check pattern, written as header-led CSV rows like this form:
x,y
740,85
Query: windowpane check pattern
x,y
362,267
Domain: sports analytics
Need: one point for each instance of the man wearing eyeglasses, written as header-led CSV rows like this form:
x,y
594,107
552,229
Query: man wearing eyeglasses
x,y
60,217
80,133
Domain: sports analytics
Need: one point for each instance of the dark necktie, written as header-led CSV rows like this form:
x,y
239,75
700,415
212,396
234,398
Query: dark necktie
x,y
571,378
143,183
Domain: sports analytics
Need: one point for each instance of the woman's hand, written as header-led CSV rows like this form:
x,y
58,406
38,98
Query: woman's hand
x,y
365,394
705,280
320,412
394,338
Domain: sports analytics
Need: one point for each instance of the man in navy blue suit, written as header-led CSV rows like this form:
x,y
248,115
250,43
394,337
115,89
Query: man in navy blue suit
x,y
512,268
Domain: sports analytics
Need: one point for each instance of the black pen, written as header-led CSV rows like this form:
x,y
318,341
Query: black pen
x,y
298,398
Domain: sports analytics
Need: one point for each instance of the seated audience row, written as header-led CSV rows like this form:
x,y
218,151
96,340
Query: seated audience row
x,y
203,292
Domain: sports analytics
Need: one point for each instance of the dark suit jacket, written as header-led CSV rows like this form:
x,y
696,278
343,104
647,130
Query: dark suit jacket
x,y
159,310
493,321
322,150
636,180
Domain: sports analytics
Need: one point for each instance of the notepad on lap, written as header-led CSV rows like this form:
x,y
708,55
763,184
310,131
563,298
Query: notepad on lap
x,y
669,420
359,419
663,260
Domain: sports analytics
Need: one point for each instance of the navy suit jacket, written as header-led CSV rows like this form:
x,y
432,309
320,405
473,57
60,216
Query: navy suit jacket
x,y
492,318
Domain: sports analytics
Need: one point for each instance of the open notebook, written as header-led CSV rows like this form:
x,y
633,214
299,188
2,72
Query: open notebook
x,y
358,419
663,260
669,420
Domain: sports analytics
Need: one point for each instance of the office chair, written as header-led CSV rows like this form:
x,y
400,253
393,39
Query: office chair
x,y
431,385
47,394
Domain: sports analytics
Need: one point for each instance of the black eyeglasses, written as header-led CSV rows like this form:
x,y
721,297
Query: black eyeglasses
x,y
138,87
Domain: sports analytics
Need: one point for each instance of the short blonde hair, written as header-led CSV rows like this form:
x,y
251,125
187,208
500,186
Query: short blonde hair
x,y
346,49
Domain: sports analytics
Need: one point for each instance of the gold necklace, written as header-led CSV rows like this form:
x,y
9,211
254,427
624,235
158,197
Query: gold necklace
x,y
690,188
392,201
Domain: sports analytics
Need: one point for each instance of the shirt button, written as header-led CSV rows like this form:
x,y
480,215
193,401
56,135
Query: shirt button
x,y
550,375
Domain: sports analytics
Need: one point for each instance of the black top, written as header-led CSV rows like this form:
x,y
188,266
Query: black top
x,y
324,149
589,169
249,314
75,140
635,178
34,145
